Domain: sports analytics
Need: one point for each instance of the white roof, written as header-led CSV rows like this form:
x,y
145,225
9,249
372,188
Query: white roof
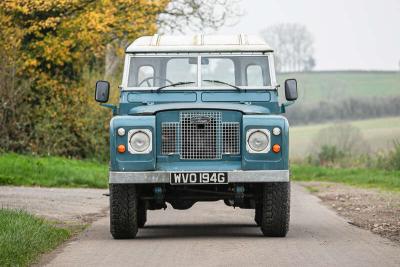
x,y
199,43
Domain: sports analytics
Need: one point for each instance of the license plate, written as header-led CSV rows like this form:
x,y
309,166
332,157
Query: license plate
x,y
199,178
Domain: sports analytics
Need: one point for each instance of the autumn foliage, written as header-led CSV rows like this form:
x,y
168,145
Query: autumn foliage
x,y
51,50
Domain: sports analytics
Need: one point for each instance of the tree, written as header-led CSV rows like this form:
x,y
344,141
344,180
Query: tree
x,y
48,51
293,45
198,15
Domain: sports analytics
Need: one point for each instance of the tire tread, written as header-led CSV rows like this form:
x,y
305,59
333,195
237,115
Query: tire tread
x,y
275,209
123,211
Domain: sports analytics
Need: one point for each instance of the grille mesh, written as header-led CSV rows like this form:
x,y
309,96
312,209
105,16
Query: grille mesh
x,y
201,136
231,138
169,134
200,140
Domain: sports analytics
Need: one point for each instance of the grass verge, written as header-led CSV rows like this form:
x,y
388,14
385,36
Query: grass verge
x,y
24,237
51,172
370,178
60,172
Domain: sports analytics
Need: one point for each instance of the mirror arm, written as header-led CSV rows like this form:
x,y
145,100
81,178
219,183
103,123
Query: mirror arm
x,y
286,104
113,107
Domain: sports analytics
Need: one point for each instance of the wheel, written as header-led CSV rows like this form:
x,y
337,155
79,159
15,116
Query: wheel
x,y
275,209
228,202
123,211
257,215
142,214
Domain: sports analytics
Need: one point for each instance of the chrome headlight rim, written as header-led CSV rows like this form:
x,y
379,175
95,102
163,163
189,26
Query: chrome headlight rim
x,y
267,134
147,132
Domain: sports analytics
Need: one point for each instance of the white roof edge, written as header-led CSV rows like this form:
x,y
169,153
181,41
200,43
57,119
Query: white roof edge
x,y
199,43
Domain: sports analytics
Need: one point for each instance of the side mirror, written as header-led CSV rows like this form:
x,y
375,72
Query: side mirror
x,y
102,91
291,89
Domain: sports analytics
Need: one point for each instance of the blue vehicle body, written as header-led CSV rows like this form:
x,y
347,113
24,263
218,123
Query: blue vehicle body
x,y
252,109
199,121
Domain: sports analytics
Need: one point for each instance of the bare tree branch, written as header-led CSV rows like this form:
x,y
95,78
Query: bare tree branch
x,y
293,45
198,15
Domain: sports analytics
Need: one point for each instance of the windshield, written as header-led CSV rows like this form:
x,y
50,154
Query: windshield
x,y
202,72
161,71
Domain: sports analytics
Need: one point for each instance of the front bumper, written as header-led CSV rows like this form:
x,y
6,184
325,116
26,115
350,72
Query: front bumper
x,y
160,177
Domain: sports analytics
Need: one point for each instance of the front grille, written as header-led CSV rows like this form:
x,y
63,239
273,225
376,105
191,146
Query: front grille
x,y
201,136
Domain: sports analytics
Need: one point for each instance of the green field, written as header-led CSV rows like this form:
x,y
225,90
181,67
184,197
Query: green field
x,y
369,178
51,172
379,133
23,237
336,85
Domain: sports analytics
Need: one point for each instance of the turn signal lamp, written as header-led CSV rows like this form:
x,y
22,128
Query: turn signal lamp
x,y
276,148
121,148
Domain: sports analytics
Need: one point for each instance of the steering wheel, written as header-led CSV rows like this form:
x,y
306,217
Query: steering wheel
x,y
147,80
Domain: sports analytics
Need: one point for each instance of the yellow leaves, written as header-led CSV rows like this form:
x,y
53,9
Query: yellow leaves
x,y
31,63
49,23
57,51
58,44
27,7
61,37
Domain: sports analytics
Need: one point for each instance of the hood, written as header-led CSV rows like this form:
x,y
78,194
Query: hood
x,y
153,109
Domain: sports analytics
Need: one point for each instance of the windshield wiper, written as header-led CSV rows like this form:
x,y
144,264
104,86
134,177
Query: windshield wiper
x,y
173,85
221,82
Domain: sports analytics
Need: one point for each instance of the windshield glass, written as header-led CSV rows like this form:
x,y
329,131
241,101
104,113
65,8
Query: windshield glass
x,y
217,71
161,71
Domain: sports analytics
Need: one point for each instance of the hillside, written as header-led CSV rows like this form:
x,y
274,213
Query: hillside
x,y
335,85
378,133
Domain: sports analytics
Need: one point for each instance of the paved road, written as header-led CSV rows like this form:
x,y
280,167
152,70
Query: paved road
x,y
76,205
211,234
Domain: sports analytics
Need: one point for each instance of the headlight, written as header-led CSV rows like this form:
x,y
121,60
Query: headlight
x,y
139,141
258,140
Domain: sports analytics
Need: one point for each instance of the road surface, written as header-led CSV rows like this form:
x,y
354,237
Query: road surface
x,y
212,234
76,206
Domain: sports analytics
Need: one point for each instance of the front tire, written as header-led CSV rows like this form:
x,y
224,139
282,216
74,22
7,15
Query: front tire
x,y
142,214
258,215
123,211
275,213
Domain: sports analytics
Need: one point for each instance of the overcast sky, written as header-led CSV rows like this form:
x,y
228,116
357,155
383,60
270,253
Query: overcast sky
x,y
348,34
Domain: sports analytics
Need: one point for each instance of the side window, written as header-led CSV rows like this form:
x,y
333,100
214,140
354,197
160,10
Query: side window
x,y
145,76
254,75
